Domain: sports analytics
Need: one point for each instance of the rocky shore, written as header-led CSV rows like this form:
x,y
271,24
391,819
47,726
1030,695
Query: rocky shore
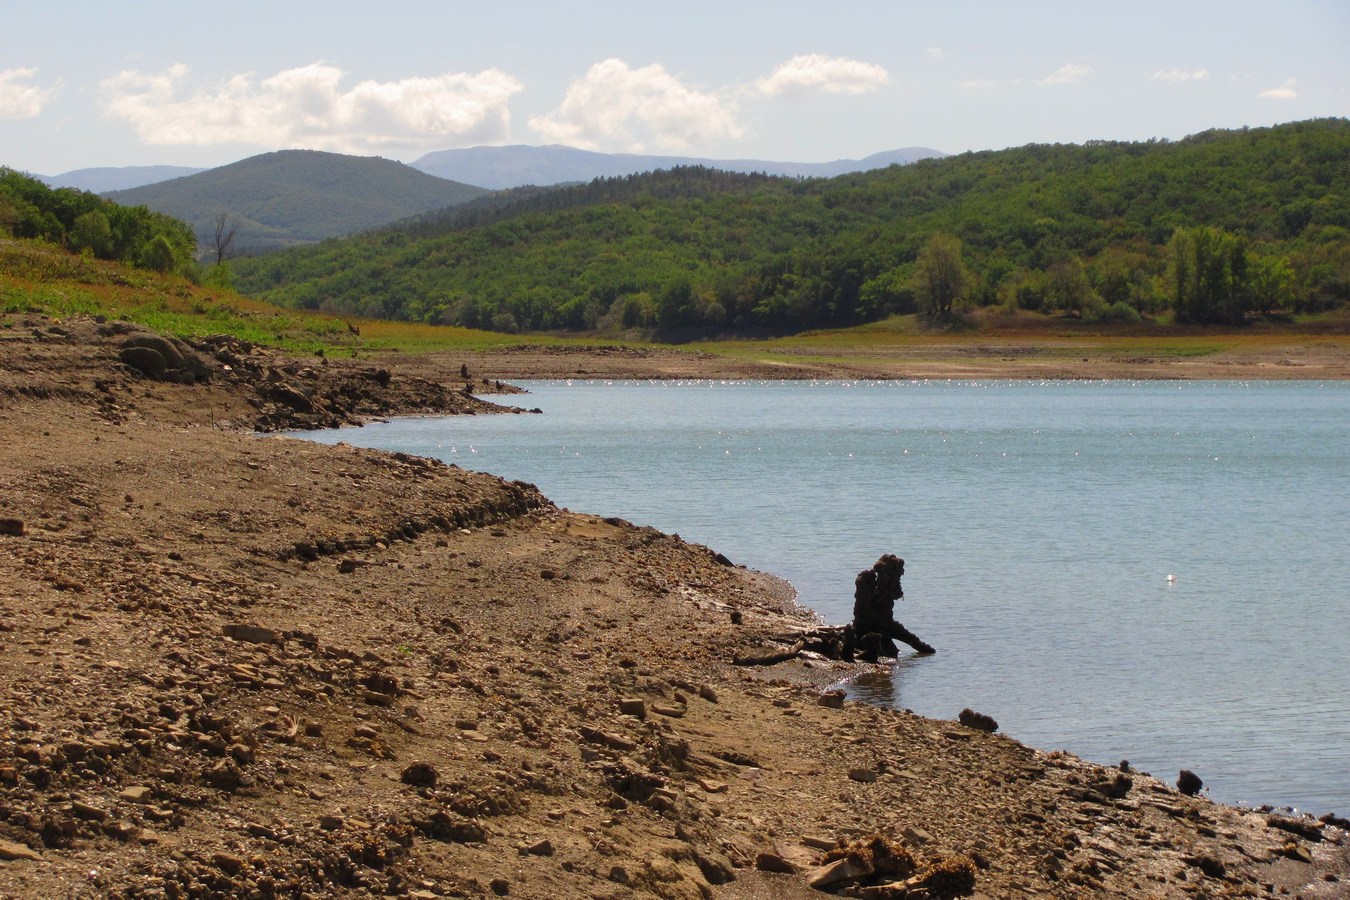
x,y
249,666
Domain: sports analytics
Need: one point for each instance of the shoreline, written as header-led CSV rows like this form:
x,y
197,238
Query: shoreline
x,y
277,667
1315,358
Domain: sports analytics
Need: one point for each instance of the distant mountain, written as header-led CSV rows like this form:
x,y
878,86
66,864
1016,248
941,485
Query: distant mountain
x,y
519,165
299,196
106,178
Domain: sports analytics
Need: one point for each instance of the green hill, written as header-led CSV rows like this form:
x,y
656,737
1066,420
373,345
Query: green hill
x,y
298,196
1084,230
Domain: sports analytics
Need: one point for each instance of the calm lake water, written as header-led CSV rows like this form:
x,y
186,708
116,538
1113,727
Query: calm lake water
x,y
1039,523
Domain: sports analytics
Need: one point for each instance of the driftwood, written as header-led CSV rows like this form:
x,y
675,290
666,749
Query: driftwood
x,y
770,657
872,633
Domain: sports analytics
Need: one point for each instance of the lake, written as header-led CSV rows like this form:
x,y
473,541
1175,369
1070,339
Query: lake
x,y
1039,521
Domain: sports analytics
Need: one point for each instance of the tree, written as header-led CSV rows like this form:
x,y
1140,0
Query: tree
x,y
1272,280
221,240
941,279
1069,287
92,232
158,254
1210,276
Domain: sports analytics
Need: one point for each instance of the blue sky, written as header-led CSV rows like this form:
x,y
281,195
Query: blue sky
x,y
145,82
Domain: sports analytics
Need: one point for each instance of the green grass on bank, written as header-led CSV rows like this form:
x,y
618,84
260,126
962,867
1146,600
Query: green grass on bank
x,y
43,279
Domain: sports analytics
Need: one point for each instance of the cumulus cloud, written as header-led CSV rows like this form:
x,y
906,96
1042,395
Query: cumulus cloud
x,y
936,52
815,72
307,106
19,99
978,85
1283,92
615,105
1067,74
1179,75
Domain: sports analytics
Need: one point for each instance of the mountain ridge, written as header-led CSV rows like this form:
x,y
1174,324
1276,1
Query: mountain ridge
x,y
518,165
102,179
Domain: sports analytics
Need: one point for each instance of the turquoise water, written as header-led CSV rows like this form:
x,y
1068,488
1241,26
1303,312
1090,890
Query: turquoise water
x,y
1039,523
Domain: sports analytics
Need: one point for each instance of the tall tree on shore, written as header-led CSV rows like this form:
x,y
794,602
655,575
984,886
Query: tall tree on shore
x,y
942,278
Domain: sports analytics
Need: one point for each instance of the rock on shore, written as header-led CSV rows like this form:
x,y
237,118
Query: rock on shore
x,y
236,666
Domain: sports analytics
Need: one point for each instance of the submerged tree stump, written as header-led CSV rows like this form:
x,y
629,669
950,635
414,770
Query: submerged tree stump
x,y
875,630
870,636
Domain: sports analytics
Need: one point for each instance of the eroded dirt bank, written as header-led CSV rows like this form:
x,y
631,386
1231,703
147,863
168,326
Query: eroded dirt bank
x,y
244,666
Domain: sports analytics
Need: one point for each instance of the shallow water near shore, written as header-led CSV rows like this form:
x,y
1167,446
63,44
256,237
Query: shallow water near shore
x,y
1040,523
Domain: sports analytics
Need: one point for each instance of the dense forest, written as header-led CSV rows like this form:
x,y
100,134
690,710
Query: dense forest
x,y
1222,226
87,223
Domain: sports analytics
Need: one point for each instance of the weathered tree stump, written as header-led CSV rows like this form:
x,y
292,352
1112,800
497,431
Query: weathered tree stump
x,y
875,630
870,636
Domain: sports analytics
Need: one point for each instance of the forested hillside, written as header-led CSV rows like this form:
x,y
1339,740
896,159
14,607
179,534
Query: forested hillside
x,y
87,223
298,196
1221,226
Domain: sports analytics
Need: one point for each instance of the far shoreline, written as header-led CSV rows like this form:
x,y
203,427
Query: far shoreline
x,y
1324,358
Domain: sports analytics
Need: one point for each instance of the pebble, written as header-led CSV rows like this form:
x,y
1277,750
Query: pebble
x,y
9,850
253,634
539,848
772,862
917,835
671,712
136,794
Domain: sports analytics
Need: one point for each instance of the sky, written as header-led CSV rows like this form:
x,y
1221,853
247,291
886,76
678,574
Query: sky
x,y
87,83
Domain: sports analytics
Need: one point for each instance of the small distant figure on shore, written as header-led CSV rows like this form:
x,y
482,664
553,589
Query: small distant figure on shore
x,y
463,370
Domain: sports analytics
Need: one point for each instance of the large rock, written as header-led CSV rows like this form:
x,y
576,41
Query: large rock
x,y
146,360
164,359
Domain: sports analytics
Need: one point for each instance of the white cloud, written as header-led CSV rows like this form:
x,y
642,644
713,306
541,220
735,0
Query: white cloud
x,y
1067,74
306,107
615,105
1179,75
978,85
1283,92
19,100
835,75
936,52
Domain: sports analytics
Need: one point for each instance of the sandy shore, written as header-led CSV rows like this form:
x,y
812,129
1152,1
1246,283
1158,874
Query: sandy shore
x,y
259,667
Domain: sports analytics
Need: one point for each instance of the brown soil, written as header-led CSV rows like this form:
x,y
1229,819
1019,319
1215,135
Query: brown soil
x,y
243,666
